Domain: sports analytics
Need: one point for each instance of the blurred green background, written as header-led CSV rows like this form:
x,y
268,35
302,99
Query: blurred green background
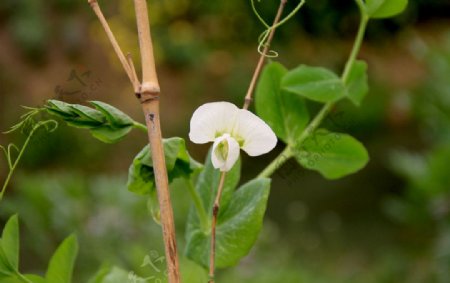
x,y
388,223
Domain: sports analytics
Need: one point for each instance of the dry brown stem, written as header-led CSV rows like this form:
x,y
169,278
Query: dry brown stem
x,y
212,254
262,58
148,94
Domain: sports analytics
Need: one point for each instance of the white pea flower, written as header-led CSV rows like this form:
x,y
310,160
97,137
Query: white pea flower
x,y
230,128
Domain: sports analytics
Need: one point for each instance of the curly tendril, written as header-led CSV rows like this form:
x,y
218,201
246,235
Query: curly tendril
x,y
264,36
26,122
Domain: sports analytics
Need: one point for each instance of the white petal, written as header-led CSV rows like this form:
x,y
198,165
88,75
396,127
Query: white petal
x,y
212,120
221,160
258,138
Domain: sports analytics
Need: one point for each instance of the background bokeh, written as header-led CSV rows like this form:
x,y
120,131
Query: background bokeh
x,y
388,223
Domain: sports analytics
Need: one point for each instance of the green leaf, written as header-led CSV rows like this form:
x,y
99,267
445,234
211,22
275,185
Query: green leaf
x,y
61,264
315,83
87,113
110,135
106,123
5,267
35,278
379,9
116,117
334,155
114,274
141,176
15,279
10,242
178,164
59,106
285,112
208,182
357,86
191,272
238,226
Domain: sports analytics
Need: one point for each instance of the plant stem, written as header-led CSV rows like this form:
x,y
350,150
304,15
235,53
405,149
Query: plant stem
x,y
262,58
13,168
356,47
112,39
16,162
140,126
215,212
286,154
201,212
149,97
315,123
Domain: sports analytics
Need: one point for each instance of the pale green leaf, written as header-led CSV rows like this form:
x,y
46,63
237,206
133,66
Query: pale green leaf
x,y
314,83
385,8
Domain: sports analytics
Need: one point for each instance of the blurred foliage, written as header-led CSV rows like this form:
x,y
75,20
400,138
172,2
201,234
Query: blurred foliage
x,y
211,40
187,29
425,203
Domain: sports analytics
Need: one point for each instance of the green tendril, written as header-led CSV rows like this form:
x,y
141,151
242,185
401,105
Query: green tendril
x,y
27,120
264,36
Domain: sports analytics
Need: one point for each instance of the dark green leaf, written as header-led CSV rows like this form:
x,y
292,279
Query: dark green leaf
x,y
385,8
238,226
178,162
315,83
285,112
61,265
357,86
334,155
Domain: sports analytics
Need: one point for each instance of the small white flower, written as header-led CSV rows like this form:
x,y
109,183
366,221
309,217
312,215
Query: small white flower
x,y
230,128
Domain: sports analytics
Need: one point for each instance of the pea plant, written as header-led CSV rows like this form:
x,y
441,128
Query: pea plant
x,y
225,219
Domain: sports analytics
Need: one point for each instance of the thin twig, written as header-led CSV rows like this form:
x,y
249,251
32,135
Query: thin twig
x,y
96,7
135,80
262,58
149,97
212,254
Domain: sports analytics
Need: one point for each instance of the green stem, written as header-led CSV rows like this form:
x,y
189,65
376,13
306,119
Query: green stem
x,y
286,154
356,47
315,123
362,7
140,126
16,162
204,222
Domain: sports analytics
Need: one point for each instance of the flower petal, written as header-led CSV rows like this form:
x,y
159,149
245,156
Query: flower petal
x,y
258,138
225,152
211,120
